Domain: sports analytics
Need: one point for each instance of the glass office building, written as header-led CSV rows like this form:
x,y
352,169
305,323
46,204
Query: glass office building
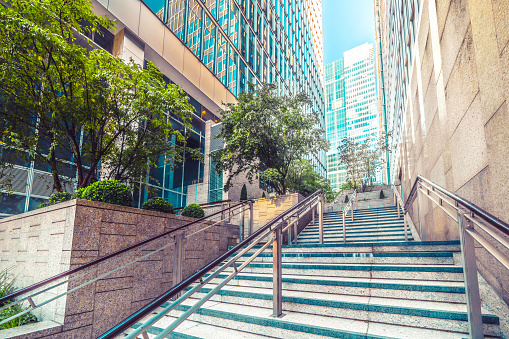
x,y
252,42
335,120
351,109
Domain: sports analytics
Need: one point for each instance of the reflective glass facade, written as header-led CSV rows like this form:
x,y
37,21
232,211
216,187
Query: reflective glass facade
x,y
351,110
251,41
335,118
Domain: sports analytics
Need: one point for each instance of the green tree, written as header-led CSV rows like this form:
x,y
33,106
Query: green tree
x,y
264,132
243,193
63,99
303,179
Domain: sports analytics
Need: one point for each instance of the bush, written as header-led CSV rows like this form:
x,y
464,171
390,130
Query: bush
x,y
6,288
263,195
158,204
243,193
382,195
79,193
110,192
346,198
55,198
193,211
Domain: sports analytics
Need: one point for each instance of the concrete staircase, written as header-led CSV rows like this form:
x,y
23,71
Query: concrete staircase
x,y
373,224
374,286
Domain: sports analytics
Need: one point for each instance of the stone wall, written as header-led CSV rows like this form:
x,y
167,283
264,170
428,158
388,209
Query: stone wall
x,y
44,242
456,121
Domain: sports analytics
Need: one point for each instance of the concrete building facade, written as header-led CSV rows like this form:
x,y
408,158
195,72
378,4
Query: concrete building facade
x,y
446,81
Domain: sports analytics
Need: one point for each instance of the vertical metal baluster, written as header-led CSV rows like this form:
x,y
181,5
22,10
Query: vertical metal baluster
x,y
251,218
398,207
277,281
405,225
344,228
242,222
470,273
295,229
178,257
423,235
320,220
289,234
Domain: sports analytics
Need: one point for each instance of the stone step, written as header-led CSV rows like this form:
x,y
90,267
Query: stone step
x,y
382,271
356,230
353,228
295,324
364,234
402,258
333,240
372,247
424,314
443,291
356,223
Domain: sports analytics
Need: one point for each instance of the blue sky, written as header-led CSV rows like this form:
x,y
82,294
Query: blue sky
x,y
346,24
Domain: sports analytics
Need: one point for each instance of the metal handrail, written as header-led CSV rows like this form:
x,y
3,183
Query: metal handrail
x,y
400,206
117,255
467,215
274,227
348,207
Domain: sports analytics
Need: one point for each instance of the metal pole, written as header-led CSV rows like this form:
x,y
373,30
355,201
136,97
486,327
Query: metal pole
x,y
313,211
356,207
320,220
178,256
277,281
289,235
423,235
344,228
242,223
470,273
405,226
295,230
251,218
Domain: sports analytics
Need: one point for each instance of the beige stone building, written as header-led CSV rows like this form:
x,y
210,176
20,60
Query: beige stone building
x,y
445,76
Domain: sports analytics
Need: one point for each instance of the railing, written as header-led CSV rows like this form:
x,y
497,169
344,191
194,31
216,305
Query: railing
x,y
400,206
144,248
272,230
349,207
466,215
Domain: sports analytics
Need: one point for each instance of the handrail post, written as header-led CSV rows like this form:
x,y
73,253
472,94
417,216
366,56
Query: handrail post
x,y
394,195
475,327
251,218
289,234
178,258
242,222
405,225
398,206
344,229
320,219
422,235
295,229
356,207
277,281
313,211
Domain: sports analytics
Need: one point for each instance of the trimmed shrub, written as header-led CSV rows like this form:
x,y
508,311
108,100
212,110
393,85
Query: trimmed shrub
x,y
193,211
243,193
263,195
110,192
158,204
382,195
346,199
55,198
79,193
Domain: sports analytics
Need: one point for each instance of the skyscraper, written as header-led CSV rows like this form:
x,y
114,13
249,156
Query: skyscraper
x,y
252,42
351,109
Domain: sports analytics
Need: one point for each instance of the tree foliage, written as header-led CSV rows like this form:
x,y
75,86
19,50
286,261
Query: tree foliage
x,y
264,132
363,158
304,180
61,99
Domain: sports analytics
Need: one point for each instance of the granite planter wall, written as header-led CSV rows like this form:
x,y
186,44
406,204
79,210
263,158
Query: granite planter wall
x,y
42,243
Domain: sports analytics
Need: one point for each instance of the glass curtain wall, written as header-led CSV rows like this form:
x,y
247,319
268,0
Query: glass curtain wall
x,y
251,41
